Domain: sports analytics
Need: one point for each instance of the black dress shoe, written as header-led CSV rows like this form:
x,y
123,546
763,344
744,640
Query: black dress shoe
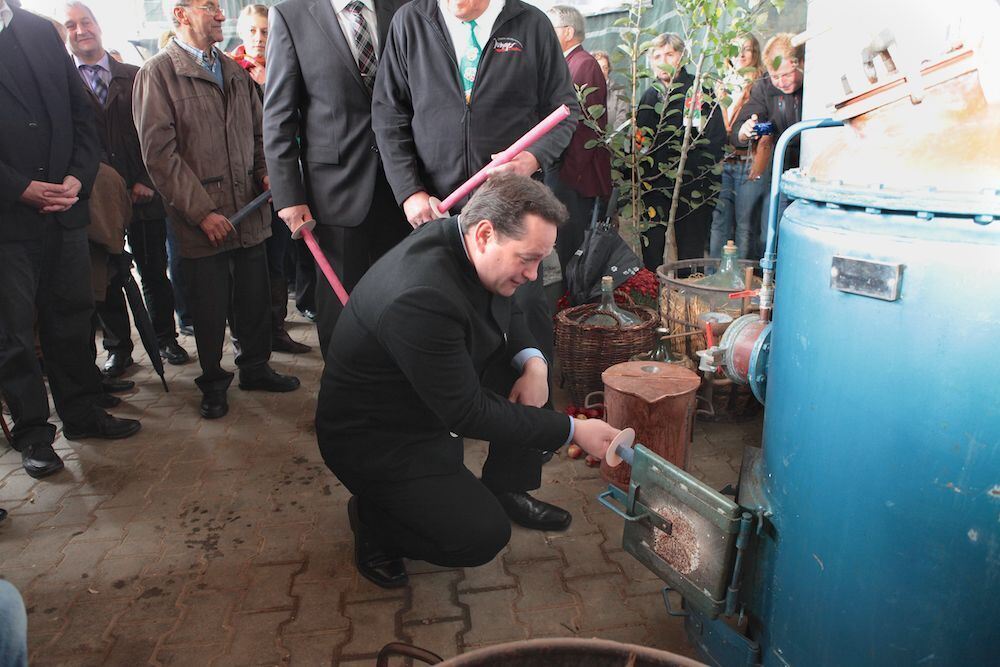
x,y
269,380
214,405
373,562
282,342
40,460
106,401
533,513
116,364
112,386
174,354
105,427
186,329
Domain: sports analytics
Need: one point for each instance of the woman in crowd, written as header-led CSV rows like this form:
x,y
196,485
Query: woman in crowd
x,y
674,90
730,221
252,29
617,107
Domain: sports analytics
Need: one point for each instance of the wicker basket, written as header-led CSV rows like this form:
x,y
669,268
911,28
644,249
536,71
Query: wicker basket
x,y
585,350
681,301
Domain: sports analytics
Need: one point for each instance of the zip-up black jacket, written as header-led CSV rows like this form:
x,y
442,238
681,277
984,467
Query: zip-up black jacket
x,y
429,138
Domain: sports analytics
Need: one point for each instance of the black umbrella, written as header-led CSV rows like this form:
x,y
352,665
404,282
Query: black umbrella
x,y
141,316
603,253
257,202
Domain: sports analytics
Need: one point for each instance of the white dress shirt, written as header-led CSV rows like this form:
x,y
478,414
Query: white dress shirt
x,y
459,30
346,20
6,14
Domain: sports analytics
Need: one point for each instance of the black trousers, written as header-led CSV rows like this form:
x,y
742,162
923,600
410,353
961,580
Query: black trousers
x,y
581,209
51,277
449,520
352,250
176,276
148,239
231,285
278,246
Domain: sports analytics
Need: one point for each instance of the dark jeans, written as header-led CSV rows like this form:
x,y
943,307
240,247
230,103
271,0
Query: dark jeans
x,y
449,520
148,239
177,277
231,285
51,277
352,250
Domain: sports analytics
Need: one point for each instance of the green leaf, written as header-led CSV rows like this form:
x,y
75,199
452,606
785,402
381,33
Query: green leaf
x,y
595,110
592,143
776,63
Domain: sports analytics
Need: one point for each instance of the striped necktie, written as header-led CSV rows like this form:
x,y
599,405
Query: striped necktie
x,y
470,61
93,76
364,47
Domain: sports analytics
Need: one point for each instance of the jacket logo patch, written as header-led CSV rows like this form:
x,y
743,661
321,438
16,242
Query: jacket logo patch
x,y
507,45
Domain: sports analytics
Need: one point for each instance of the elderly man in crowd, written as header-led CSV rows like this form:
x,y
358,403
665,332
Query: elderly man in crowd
x,y
318,136
584,175
48,160
437,126
199,122
393,406
110,85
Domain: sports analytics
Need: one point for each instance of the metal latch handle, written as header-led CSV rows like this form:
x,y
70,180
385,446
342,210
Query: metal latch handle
x,y
619,495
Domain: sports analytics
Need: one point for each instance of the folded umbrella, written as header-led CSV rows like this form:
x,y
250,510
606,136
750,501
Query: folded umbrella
x,y
140,316
603,253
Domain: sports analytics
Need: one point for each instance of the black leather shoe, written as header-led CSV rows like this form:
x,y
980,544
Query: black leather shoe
x,y
214,405
282,342
373,562
112,386
116,364
186,329
174,354
40,460
105,427
533,513
269,380
106,401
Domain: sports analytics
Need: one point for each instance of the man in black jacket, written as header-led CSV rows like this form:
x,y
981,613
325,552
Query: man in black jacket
x,y
48,160
460,80
427,326
109,84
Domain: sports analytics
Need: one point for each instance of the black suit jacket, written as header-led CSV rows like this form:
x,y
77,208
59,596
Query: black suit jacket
x,y
406,362
74,148
119,139
318,140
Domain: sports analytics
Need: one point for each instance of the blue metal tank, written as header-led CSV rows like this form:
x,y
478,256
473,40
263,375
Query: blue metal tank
x,y
881,460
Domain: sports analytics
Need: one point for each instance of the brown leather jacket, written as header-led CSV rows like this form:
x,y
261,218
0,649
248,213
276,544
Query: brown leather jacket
x,y
202,147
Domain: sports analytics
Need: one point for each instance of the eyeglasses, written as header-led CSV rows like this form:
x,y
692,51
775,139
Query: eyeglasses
x,y
214,10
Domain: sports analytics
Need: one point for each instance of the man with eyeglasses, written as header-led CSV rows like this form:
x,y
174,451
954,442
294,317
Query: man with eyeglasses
x,y
199,122
776,97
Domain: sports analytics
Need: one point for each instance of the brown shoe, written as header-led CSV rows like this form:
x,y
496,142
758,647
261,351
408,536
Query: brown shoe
x,y
282,342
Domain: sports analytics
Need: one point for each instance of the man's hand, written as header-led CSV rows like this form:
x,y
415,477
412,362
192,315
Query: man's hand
x,y
420,207
524,164
594,436
216,227
266,182
49,197
142,194
746,129
295,216
532,388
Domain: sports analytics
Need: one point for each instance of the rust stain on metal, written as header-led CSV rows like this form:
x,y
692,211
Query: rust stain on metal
x,y
995,492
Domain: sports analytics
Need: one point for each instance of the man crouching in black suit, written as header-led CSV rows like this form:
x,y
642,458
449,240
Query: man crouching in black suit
x,y
426,331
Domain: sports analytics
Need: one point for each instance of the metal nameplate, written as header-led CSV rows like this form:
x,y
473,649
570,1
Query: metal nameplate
x,y
865,277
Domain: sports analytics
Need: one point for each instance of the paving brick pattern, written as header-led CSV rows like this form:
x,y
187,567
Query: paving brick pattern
x,y
227,543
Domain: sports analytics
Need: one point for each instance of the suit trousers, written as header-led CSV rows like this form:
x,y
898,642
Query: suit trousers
x,y
148,240
49,276
233,284
449,520
581,211
352,250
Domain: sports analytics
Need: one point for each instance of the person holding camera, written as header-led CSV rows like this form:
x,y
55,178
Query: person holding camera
x,y
776,98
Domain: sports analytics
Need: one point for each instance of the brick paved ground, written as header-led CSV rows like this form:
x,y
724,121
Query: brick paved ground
x,y
227,543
